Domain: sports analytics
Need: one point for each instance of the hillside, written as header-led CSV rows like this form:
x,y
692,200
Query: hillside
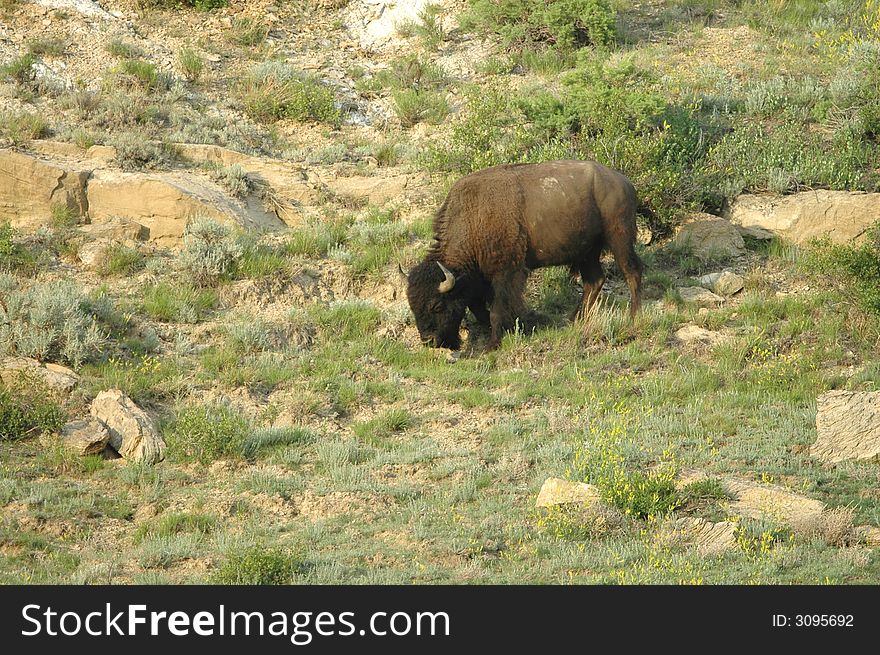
x,y
204,205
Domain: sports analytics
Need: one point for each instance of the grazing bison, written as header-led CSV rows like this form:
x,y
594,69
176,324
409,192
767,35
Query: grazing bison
x,y
498,224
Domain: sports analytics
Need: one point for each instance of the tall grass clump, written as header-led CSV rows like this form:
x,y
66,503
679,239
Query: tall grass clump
x,y
207,432
26,409
274,90
856,267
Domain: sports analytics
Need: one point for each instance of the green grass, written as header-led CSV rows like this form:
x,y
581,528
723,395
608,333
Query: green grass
x,y
205,433
178,303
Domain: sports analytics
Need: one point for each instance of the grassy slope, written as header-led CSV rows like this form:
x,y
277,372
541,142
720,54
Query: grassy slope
x,y
402,466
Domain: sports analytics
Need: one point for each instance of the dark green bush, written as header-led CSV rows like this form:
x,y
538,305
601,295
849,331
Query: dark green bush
x,y
259,566
26,410
856,267
524,23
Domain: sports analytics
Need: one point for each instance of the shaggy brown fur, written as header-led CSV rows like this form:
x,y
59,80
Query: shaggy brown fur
x,y
498,224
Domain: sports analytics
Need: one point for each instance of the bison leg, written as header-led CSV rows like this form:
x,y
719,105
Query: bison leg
x,y
631,266
480,312
507,302
593,278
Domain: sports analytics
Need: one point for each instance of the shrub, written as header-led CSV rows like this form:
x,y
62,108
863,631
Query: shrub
x,y
415,106
135,151
169,525
855,267
22,127
258,565
210,251
274,90
51,320
19,70
25,410
140,73
428,28
207,432
247,32
46,46
524,23
234,179
606,461
190,64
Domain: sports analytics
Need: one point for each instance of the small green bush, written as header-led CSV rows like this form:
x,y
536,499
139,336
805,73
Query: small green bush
x,y
206,433
191,64
234,179
47,46
119,259
416,106
168,525
260,566
210,251
274,90
247,32
22,127
26,409
19,70
123,49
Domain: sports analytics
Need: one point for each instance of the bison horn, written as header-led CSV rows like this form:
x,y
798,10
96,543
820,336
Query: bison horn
x,y
402,271
447,284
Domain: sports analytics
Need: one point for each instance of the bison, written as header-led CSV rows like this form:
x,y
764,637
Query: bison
x,y
498,224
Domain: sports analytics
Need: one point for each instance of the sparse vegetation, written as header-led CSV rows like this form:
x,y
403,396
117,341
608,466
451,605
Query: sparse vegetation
x,y
311,438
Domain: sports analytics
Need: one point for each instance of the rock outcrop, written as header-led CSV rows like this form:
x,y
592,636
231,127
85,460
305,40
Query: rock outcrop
x,y
842,216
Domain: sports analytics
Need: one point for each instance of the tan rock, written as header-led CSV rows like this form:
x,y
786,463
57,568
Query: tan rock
x,y
870,534
133,433
556,491
699,296
770,501
695,335
86,436
847,426
376,190
56,377
709,236
117,229
709,538
728,284
30,187
164,202
843,216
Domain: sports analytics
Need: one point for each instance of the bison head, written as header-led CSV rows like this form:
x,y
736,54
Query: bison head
x,y
437,304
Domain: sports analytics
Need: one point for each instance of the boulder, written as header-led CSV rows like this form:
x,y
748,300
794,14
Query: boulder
x,y
728,283
842,216
695,335
699,296
556,491
133,433
376,190
284,187
709,538
86,436
709,236
164,202
770,501
847,426
30,187
55,376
